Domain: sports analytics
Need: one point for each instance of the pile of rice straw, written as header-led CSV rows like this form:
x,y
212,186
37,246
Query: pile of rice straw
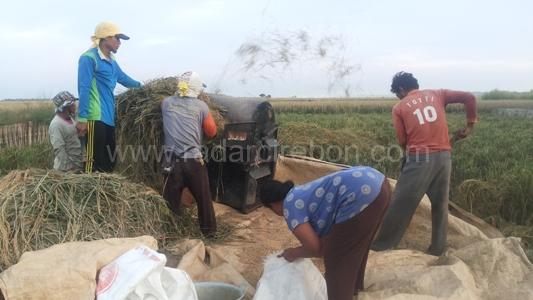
x,y
40,208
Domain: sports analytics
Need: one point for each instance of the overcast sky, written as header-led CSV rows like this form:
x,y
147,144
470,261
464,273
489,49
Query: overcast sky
x,y
474,45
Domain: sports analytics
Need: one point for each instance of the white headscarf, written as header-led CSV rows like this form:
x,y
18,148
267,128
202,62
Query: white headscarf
x,y
190,85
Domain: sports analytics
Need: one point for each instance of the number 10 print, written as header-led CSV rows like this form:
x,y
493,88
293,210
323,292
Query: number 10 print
x,y
428,114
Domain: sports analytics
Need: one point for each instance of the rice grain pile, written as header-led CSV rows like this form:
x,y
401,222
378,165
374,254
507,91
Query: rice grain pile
x,y
140,129
40,208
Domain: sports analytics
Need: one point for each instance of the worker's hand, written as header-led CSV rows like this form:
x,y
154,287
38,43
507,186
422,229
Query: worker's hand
x,y
82,128
463,133
290,254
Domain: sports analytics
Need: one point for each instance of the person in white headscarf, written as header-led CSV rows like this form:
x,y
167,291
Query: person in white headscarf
x,y
186,122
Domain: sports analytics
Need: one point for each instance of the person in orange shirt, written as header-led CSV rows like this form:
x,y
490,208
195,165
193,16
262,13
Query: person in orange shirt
x,y
422,131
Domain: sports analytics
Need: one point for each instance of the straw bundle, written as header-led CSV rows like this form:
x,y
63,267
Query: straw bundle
x,y
41,208
140,128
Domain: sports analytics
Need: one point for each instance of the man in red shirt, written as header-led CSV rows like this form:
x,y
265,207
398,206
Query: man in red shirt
x,y
422,131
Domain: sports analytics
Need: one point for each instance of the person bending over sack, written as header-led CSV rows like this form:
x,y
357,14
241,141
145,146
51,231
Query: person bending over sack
x,y
335,217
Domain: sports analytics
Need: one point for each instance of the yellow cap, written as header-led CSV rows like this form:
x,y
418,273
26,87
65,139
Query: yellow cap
x,y
106,29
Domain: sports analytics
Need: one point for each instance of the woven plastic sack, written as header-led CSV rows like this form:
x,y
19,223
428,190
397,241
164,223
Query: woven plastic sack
x,y
298,280
141,274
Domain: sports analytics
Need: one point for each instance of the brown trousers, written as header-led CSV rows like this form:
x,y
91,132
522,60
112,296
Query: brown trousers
x,y
191,173
347,245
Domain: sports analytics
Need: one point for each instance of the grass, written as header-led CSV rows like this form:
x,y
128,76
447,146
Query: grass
x,y
342,138
35,156
499,94
41,111
38,111
493,174
376,105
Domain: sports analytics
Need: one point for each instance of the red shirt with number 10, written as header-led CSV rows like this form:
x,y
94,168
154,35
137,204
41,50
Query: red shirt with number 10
x,y
420,119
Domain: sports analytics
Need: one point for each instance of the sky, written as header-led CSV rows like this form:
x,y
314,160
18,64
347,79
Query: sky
x,y
473,45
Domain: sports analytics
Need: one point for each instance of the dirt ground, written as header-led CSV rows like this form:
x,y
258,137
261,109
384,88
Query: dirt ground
x,y
260,234
256,235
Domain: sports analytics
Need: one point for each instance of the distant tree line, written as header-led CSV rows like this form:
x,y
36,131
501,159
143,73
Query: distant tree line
x,y
507,95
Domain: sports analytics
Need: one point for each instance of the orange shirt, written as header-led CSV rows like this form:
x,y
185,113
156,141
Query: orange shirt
x,y
209,126
420,119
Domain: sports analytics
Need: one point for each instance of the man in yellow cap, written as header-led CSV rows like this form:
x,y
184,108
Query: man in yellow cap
x,y
98,74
